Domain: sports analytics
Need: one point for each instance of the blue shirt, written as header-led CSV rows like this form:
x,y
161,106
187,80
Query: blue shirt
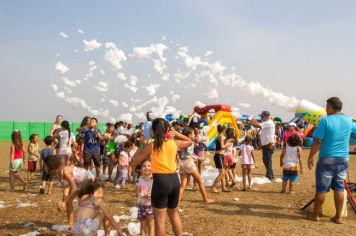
x,y
147,125
91,141
334,132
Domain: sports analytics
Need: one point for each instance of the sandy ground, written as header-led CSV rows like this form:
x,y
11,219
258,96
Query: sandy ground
x,y
261,211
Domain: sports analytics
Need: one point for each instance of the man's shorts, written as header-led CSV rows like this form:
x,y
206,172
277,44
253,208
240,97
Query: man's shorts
x,y
331,173
91,155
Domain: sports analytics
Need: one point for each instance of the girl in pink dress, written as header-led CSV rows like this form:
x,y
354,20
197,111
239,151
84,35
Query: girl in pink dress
x,y
247,161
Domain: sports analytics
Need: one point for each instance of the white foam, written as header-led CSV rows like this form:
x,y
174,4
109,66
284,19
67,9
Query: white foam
x,y
61,67
20,204
28,224
81,31
134,228
152,88
60,228
33,233
114,103
212,93
91,45
134,212
63,35
236,199
114,56
101,232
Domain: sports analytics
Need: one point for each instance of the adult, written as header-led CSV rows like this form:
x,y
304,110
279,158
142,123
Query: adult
x,y
147,125
56,125
331,139
165,189
267,141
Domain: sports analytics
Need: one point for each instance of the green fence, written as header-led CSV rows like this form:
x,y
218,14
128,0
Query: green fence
x,y
28,128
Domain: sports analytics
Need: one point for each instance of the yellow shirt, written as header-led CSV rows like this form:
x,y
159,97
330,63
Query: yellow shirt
x,y
164,161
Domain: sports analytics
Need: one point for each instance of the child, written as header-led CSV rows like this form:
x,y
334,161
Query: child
x,y
122,167
109,150
78,151
92,138
33,150
131,174
188,167
289,160
17,158
45,154
230,156
247,161
143,193
66,139
73,178
92,211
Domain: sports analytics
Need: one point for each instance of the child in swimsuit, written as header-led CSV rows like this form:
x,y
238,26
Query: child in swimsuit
x,y
92,212
73,178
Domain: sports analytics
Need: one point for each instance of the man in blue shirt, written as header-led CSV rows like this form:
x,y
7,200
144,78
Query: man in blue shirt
x,y
331,139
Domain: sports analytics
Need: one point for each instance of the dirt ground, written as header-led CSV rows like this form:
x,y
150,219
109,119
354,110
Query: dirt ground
x,y
261,211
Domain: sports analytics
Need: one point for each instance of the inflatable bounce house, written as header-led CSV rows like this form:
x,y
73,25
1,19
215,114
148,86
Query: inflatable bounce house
x,y
213,116
311,113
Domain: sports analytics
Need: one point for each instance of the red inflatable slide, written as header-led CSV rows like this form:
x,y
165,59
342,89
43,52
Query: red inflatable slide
x,y
212,108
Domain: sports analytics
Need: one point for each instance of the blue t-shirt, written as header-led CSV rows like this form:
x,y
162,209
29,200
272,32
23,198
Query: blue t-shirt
x,y
91,141
334,132
147,125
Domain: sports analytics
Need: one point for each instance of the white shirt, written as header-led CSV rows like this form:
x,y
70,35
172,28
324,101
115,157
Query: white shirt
x,y
64,147
267,132
291,157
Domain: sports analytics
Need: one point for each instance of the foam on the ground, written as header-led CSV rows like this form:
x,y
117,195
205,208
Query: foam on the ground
x,y
134,228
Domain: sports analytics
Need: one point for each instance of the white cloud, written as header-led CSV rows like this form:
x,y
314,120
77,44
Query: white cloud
x,y
63,35
114,55
61,67
91,45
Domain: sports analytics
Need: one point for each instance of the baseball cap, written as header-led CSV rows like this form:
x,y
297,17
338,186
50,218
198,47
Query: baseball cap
x,y
292,124
265,113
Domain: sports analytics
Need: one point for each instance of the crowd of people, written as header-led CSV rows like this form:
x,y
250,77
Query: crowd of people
x,y
162,159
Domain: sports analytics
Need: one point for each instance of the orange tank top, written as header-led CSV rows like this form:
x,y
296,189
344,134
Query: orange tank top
x,y
164,161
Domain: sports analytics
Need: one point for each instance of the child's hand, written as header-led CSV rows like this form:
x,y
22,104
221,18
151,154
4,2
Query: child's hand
x,y
61,206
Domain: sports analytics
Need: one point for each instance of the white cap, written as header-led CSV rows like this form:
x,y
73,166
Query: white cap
x,y
292,124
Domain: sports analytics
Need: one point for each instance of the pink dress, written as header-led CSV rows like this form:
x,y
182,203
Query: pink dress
x,y
246,157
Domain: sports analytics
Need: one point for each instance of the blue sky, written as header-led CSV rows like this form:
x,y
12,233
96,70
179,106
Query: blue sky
x,y
304,49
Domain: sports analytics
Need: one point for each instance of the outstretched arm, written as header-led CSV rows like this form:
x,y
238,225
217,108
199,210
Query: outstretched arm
x,y
315,148
141,155
109,217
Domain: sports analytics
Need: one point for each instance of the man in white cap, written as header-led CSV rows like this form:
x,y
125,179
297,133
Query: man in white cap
x,y
268,128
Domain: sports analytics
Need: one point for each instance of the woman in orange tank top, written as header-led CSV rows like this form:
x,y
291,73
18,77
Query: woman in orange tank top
x,y
165,189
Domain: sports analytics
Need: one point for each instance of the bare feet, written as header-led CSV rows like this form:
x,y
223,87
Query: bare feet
x,y
313,218
226,190
336,221
249,187
283,191
208,201
24,186
214,190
